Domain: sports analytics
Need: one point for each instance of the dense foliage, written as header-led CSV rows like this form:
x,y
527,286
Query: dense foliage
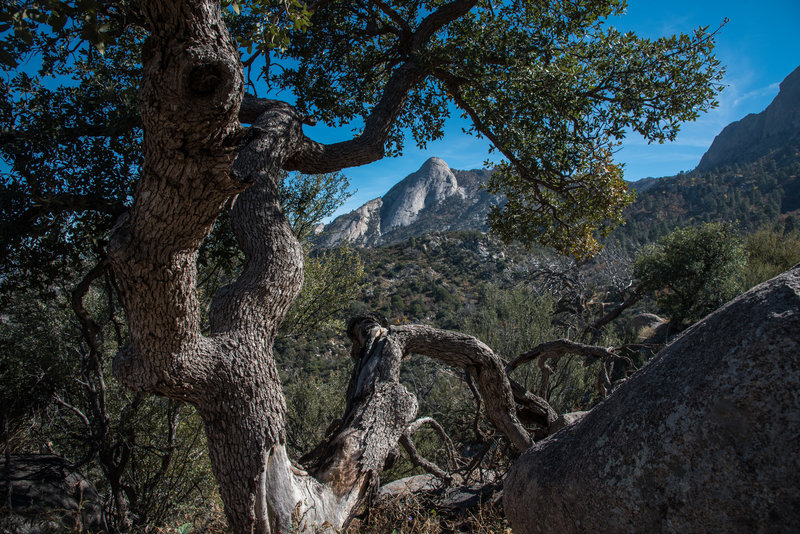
x,y
550,84
693,270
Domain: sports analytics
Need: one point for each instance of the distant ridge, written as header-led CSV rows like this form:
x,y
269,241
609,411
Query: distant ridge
x,y
757,134
749,176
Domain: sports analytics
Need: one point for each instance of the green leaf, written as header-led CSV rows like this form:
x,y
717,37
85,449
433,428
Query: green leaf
x,y
24,34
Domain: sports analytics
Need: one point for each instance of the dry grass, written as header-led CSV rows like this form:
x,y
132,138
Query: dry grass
x,y
416,514
207,520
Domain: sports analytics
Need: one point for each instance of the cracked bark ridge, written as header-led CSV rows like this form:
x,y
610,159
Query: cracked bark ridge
x,y
702,439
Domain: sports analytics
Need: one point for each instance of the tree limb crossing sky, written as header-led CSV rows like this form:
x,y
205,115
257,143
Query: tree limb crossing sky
x,y
758,46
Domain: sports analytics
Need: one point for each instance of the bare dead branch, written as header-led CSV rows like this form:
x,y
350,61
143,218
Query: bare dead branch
x,y
420,461
472,355
477,396
597,326
562,347
544,381
533,409
73,409
449,447
559,348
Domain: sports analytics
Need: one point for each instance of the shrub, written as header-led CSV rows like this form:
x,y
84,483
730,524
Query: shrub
x,y
693,270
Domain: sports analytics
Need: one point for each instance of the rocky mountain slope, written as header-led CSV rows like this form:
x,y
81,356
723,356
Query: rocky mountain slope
x,y
748,195
751,138
750,176
434,198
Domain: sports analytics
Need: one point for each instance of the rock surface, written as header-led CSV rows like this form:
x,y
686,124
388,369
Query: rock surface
x,y
757,134
705,438
430,185
435,198
409,486
355,227
455,499
47,495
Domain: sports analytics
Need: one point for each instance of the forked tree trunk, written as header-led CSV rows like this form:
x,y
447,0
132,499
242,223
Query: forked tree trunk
x,y
196,156
191,92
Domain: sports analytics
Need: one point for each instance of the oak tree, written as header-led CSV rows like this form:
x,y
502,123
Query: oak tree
x,y
550,84
693,270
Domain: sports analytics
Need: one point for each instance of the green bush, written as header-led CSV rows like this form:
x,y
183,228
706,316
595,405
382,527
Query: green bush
x,y
693,270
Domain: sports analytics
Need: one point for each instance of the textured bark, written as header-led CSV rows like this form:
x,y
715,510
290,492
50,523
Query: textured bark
x,y
197,156
229,376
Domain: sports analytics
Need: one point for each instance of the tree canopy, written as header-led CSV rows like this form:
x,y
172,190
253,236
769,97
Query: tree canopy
x,y
552,85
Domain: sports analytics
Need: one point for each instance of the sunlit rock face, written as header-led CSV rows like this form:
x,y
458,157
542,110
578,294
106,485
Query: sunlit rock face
x,y
435,198
430,185
358,227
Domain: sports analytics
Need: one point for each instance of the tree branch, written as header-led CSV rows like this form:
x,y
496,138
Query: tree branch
x,y
420,461
533,409
558,348
597,325
476,427
470,354
416,425
314,157
25,222
453,86
434,22
75,410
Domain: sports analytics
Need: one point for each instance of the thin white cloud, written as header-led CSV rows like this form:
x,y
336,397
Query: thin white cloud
x,y
769,90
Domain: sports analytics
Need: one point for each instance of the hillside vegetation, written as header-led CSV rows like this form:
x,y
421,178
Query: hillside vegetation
x,y
751,195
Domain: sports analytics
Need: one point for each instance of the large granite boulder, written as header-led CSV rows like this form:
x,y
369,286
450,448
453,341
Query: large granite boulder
x,y
47,495
705,438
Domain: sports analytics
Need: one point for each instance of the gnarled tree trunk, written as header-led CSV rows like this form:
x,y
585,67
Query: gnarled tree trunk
x,y
196,156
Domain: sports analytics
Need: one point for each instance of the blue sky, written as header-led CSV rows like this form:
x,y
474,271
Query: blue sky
x,y
759,47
